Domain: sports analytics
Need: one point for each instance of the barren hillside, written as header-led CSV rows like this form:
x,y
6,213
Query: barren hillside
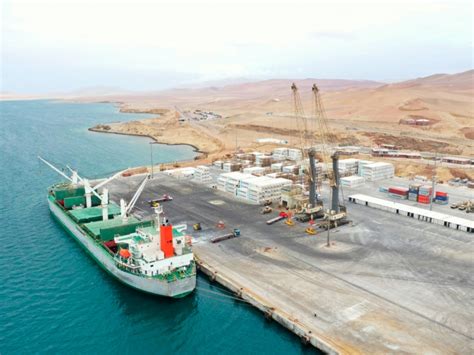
x,y
359,112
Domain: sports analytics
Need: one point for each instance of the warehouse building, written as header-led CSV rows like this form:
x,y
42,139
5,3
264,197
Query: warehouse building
x,y
414,212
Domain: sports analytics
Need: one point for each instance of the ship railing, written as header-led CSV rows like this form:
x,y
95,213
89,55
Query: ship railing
x,y
121,263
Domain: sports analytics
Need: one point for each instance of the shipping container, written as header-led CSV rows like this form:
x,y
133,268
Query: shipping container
x,y
413,196
399,196
398,190
423,199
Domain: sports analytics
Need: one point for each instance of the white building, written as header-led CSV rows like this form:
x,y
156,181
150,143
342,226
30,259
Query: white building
x,y
254,189
348,166
360,166
352,181
254,170
202,174
295,154
287,153
378,171
181,173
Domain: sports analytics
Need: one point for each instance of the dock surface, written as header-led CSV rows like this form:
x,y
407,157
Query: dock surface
x,y
386,284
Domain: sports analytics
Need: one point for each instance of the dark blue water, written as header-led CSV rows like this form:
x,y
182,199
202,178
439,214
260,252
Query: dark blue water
x,y
53,297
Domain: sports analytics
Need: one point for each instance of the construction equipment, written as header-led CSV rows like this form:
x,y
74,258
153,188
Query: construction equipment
x,y
289,219
156,201
467,206
235,233
281,216
337,213
314,206
197,227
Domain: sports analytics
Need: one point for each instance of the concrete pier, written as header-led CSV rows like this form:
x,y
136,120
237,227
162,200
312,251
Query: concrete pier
x,y
386,284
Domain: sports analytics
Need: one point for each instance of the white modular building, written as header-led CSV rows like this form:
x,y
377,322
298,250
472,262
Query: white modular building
x,y
218,164
378,171
202,174
352,181
360,166
348,166
295,154
181,173
229,182
280,153
287,153
261,189
254,170
276,167
254,189
263,160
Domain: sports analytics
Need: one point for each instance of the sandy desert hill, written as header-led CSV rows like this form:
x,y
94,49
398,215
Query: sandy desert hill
x,y
359,112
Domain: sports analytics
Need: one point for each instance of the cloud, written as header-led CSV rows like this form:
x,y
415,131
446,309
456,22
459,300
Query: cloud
x,y
219,39
344,36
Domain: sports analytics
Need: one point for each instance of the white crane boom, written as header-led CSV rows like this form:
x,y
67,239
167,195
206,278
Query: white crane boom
x,y
99,185
87,186
55,169
301,121
135,197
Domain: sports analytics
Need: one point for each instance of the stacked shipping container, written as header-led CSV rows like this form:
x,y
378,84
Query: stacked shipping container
x,y
441,198
398,192
424,194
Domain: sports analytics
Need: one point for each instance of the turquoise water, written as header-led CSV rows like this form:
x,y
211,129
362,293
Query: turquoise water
x,y
53,297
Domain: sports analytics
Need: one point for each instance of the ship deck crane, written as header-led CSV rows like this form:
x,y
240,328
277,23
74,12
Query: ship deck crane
x,y
94,190
125,208
76,179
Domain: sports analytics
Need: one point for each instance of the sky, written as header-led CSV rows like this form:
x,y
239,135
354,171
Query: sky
x,y
61,45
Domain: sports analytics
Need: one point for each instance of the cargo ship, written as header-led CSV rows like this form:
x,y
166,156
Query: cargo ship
x,y
148,255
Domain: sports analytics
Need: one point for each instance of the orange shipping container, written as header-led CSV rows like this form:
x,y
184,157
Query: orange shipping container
x,y
166,239
423,199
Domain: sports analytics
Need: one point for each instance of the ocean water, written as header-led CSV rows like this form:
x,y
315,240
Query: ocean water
x,y
53,297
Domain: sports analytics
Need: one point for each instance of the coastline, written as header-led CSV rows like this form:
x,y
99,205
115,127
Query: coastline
x,y
195,148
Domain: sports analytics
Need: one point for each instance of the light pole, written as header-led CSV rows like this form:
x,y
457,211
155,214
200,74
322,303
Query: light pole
x,y
151,157
433,181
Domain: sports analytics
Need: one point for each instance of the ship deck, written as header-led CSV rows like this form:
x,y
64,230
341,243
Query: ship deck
x,y
95,227
84,215
387,283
